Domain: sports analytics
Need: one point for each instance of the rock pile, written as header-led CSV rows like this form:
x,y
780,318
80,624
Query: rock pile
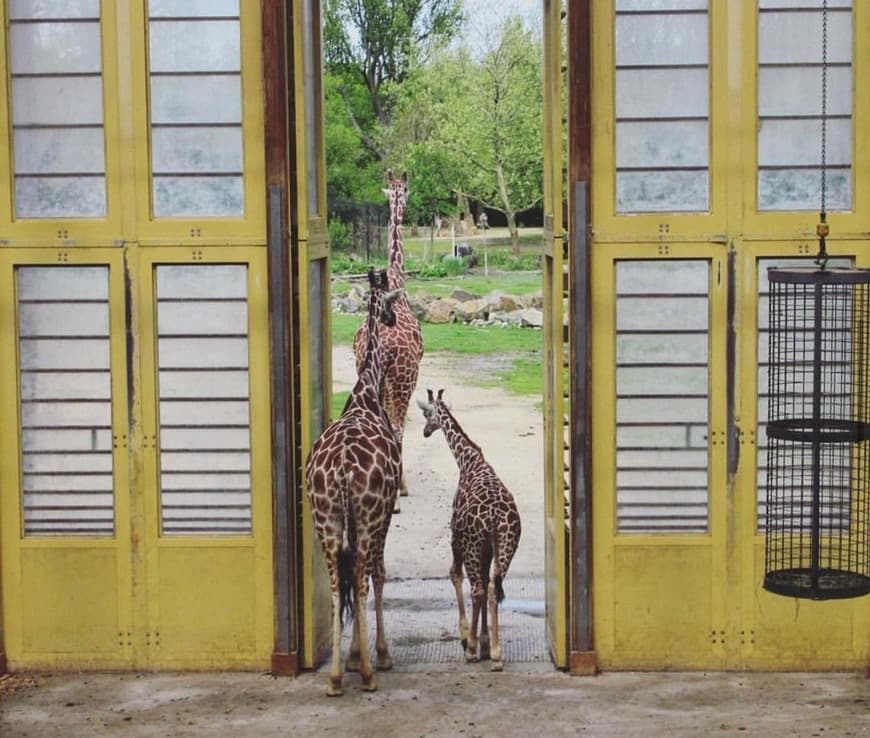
x,y
496,308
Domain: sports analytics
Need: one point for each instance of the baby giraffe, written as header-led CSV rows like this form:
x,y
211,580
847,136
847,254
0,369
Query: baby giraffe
x,y
485,529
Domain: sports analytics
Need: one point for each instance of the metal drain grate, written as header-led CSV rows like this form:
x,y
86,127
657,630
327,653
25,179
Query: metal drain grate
x,y
421,620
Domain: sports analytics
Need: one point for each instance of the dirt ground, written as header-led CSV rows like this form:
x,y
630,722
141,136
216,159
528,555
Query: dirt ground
x,y
443,700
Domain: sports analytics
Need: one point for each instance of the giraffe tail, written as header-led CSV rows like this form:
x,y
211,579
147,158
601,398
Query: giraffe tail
x,y
499,589
345,584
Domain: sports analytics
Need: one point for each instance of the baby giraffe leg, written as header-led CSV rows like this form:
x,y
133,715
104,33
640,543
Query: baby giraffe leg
x,y
497,662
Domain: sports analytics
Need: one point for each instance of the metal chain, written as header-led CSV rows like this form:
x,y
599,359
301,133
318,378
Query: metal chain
x,y
824,103
822,228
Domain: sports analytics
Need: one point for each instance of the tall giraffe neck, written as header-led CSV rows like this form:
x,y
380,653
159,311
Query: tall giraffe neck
x,y
396,256
372,372
465,451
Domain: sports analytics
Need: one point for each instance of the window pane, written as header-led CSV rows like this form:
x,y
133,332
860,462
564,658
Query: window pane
x,y
662,106
66,402
57,109
196,109
790,76
204,399
662,396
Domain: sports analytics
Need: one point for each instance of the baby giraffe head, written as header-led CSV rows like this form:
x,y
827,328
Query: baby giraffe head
x,y
430,412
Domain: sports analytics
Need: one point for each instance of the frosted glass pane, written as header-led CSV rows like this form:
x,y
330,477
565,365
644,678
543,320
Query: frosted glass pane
x,y
784,91
214,281
796,37
198,99
800,189
191,196
197,150
662,144
195,46
641,277
662,93
215,317
193,8
53,151
661,5
60,197
70,101
814,4
650,313
656,192
80,319
37,9
797,142
45,48
667,39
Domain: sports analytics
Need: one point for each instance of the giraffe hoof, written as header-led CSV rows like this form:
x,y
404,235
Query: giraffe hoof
x,y
385,662
370,684
471,657
497,665
403,493
333,688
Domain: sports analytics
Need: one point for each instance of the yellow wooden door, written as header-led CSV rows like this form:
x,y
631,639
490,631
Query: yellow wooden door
x,y
136,497
557,509
707,165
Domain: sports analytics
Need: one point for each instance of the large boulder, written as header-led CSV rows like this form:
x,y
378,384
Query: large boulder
x,y
441,311
463,295
469,310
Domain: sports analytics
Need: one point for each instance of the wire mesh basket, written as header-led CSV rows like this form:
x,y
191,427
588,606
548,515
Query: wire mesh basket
x,y
817,541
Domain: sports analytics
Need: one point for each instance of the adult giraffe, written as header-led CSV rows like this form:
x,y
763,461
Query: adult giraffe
x,y
353,474
485,528
402,344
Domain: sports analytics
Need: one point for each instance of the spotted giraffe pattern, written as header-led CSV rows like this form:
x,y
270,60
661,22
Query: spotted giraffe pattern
x,y
352,475
403,343
485,528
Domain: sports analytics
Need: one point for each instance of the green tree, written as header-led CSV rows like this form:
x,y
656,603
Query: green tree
x,y
486,117
378,44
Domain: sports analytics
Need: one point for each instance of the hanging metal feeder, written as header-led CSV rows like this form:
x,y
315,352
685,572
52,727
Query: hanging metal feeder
x,y
818,459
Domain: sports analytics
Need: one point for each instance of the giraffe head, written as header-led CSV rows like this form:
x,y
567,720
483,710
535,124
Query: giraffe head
x,y
430,412
397,193
380,299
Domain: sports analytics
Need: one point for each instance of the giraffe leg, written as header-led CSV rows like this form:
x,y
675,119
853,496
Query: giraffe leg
x,y
497,662
352,663
369,681
484,649
456,578
333,687
477,602
384,660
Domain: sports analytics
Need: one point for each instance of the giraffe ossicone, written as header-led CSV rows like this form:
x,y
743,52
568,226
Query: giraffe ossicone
x,y
485,532
352,475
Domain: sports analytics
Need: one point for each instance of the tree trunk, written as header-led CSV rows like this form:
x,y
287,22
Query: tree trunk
x,y
509,211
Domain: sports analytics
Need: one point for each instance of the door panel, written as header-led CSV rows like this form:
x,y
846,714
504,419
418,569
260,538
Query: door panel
x,y
66,535
207,466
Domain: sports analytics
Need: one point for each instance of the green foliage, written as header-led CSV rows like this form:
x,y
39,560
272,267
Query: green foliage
x,y
339,237
511,262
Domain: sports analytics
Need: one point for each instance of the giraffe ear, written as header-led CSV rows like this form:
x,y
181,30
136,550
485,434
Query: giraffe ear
x,y
424,406
389,175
